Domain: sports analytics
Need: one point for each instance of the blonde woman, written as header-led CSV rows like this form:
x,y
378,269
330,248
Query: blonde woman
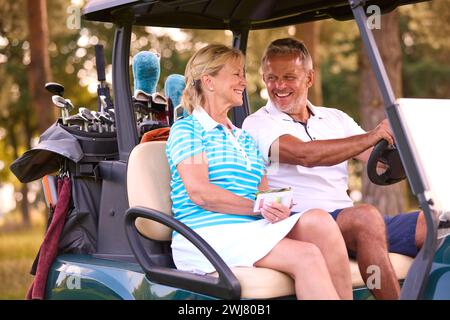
x,y
216,170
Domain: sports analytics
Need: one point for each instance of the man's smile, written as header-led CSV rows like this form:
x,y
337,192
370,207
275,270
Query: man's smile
x,y
282,95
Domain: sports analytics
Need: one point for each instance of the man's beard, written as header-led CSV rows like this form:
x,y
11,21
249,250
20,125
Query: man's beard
x,y
291,108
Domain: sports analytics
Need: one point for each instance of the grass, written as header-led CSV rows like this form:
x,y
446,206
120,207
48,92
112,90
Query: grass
x,y
18,248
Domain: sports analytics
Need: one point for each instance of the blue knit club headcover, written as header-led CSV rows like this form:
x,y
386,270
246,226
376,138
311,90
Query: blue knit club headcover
x,y
173,88
146,71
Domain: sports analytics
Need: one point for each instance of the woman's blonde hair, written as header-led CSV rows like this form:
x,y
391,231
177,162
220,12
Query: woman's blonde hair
x,y
207,61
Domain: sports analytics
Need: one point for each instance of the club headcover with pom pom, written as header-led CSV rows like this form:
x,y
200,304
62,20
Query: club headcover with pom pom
x,y
146,72
173,88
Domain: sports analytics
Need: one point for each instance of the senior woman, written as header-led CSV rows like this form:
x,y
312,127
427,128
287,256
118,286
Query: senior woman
x,y
216,170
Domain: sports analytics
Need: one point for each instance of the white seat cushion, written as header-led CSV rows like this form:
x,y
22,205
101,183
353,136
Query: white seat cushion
x,y
400,263
148,185
262,283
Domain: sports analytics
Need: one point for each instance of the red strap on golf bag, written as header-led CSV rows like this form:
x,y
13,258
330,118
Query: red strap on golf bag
x,y
49,247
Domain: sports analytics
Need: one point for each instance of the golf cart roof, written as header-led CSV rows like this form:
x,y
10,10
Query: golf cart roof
x,y
229,14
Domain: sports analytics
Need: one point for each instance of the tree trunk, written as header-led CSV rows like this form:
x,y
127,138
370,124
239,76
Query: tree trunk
x,y
24,206
309,33
388,199
39,69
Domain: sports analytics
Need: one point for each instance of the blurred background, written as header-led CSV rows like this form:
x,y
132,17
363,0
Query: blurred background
x,y
43,41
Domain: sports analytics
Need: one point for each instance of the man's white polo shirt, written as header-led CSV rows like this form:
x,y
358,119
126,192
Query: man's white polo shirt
x,y
317,187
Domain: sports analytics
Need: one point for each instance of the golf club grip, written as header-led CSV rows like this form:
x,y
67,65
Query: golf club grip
x,y
100,62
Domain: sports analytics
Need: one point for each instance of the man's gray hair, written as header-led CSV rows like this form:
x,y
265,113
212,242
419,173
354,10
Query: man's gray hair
x,y
284,46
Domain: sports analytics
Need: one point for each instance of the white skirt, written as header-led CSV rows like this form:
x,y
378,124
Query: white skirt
x,y
239,245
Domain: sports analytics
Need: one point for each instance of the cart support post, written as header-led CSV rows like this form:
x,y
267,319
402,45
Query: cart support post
x,y
127,137
240,38
416,281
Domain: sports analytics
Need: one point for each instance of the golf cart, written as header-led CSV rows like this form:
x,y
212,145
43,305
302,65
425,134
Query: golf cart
x,y
115,243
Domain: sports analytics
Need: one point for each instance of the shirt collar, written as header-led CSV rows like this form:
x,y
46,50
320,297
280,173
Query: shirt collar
x,y
273,110
207,122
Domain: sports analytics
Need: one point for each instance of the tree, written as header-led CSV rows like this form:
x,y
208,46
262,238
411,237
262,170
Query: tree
x,y
388,199
339,66
39,68
310,34
14,106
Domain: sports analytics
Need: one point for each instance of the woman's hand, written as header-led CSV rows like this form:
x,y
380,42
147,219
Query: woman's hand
x,y
275,212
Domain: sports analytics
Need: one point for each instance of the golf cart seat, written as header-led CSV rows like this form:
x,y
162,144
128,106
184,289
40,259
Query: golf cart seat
x,y
148,181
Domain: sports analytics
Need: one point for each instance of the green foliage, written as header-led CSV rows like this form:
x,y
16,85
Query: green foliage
x,y
426,79
14,96
339,66
426,46
340,89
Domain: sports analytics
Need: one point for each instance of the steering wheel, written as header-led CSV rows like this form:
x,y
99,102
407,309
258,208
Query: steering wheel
x,y
390,157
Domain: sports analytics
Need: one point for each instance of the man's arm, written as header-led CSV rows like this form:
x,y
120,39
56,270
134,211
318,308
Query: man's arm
x,y
289,149
364,156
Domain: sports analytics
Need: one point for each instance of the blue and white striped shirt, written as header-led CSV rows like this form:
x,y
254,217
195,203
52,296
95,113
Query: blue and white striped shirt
x,y
234,163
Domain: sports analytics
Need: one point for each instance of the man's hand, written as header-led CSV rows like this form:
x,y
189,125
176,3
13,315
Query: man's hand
x,y
382,131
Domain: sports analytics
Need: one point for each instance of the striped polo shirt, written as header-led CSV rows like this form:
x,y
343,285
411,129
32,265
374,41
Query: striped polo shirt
x,y
234,163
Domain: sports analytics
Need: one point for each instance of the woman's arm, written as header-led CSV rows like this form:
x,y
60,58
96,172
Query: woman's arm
x,y
194,173
264,185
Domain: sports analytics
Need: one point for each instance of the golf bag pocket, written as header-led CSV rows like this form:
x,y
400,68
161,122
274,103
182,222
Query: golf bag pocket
x,y
79,234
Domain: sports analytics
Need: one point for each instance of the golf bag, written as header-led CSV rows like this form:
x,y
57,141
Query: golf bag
x,y
76,153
